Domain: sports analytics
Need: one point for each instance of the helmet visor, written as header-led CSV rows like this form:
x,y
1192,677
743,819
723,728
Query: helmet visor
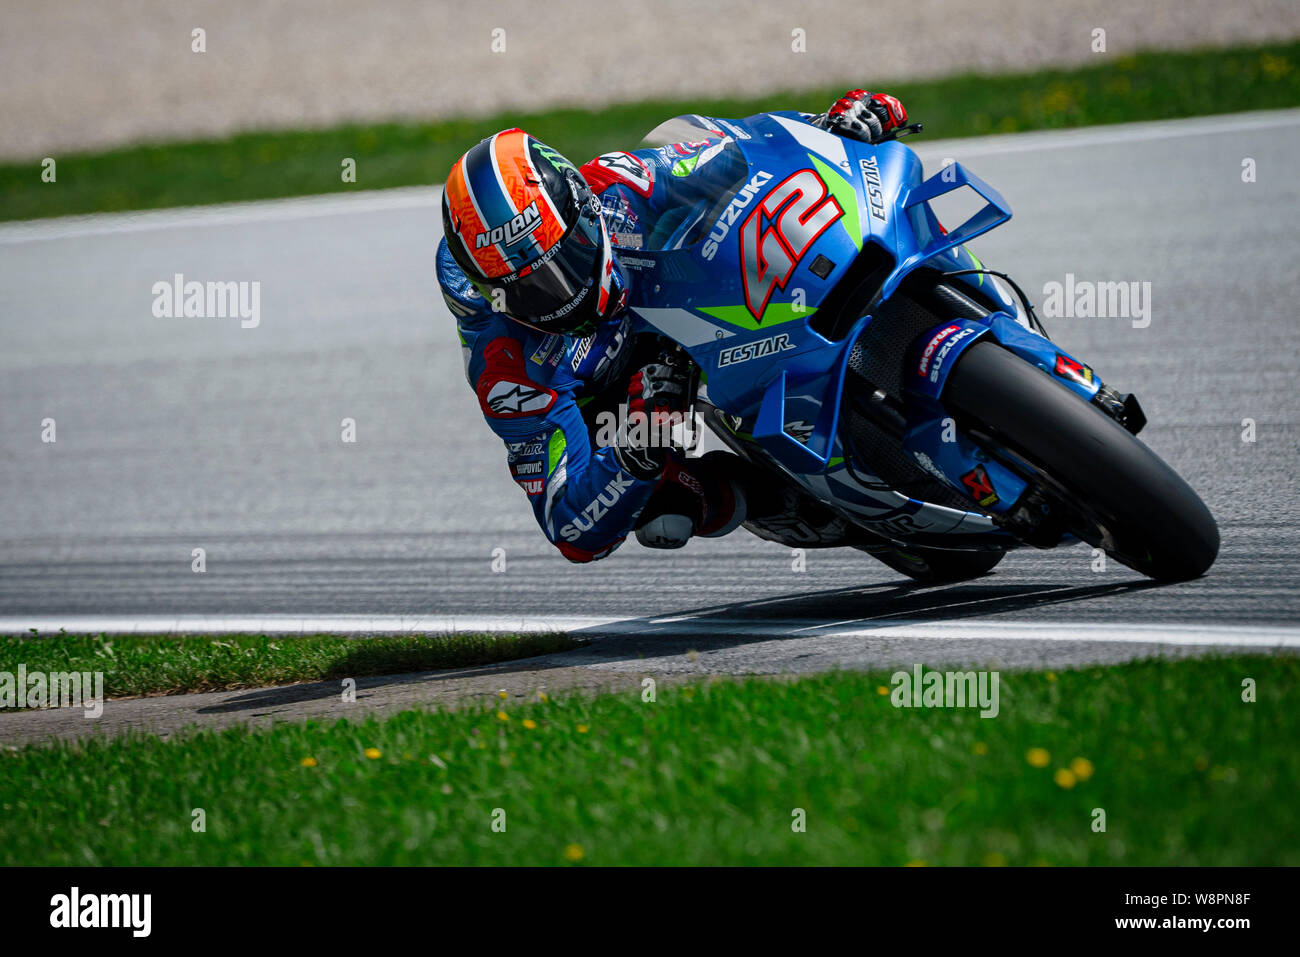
x,y
563,285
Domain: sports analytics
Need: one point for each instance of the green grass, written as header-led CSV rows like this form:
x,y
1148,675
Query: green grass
x,y
1146,86
1186,773
172,664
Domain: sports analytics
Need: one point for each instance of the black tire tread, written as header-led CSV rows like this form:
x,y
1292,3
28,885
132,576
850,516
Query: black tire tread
x,y
1159,526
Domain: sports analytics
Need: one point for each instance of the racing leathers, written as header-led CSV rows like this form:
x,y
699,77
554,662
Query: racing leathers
x,y
541,394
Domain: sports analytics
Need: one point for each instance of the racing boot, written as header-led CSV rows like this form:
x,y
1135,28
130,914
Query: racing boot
x,y
696,497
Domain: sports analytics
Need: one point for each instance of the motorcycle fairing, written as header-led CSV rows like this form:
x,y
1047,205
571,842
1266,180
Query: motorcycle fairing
x,y
740,286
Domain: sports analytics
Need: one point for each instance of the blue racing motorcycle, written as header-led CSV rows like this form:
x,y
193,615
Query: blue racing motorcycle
x,y
906,399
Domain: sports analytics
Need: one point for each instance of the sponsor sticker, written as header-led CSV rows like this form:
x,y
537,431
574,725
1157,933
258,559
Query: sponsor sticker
x,y
684,167
545,348
981,488
875,192
512,232
597,509
507,399
946,348
732,212
1069,368
758,349
933,344
630,169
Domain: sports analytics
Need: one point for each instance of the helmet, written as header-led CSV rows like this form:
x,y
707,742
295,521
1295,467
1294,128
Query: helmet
x,y
526,229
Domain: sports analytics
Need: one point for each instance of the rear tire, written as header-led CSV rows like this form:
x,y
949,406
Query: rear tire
x,y
1130,502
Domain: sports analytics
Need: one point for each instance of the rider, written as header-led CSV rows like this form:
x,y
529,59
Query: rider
x,y
528,268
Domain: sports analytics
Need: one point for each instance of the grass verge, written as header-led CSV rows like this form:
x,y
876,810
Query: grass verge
x,y
1146,86
1185,771
172,664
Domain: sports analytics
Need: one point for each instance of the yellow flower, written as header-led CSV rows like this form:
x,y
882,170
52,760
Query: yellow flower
x,y
1057,100
1038,757
502,716
1064,778
1082,768
373,753
502,694
529,723
995,860
582,729
541,696
308,762
981,747
574,852
881,690
1274,66
915,863
1051,676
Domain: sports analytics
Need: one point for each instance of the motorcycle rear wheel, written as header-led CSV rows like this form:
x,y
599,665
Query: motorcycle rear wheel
x,y
1120,495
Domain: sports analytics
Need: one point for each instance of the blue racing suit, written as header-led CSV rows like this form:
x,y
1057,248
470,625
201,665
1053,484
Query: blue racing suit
x,y
532,387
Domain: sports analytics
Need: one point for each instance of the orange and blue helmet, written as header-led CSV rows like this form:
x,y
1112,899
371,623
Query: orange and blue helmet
x,y
526,229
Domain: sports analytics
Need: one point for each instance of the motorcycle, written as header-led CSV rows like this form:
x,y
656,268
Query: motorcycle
x,y
905,399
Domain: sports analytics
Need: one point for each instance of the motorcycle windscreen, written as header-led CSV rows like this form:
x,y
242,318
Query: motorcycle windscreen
x,y
706,169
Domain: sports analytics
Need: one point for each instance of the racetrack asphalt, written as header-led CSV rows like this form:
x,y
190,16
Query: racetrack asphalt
x,y
176,434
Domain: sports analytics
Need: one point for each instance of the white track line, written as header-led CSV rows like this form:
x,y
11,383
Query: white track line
x,y
1252,636
416,197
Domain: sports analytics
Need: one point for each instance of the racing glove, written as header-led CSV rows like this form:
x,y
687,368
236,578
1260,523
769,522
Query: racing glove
x,y
657,395
859,115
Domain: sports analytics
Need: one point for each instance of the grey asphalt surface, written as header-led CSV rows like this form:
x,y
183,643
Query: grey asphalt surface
x,y
185,433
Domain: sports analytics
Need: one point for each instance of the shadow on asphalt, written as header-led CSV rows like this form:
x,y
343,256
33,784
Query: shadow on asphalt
x,y
720,627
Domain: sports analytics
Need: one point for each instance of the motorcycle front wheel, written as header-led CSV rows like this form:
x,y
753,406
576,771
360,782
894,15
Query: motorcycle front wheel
x,y
1119,495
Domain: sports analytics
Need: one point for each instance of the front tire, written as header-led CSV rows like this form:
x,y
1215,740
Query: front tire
x,y
1125,499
